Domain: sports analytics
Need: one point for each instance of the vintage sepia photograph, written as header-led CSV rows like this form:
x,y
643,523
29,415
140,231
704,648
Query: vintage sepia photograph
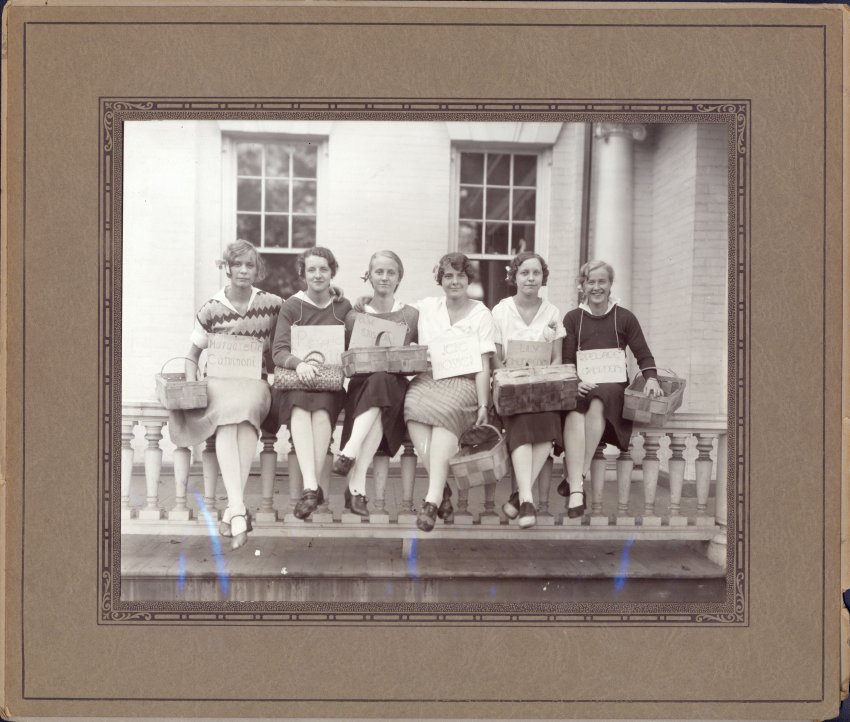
x,y
454,363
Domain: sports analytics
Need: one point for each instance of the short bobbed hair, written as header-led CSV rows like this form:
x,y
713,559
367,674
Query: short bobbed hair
x,y
321,252
393,256
457,261
591,266
239,248
521,258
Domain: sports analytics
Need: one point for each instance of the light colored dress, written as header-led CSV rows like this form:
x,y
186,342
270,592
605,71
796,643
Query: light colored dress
x,y
450,403
229,401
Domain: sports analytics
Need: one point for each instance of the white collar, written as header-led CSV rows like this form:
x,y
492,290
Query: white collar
x,y
397,306
302,295
611,303
222,298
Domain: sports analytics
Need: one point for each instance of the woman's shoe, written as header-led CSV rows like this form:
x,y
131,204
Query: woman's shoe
x,y
239,527
446,511
358,505
574,512
224,525
342,465
308,502
511,506
564,487
427,516
527,515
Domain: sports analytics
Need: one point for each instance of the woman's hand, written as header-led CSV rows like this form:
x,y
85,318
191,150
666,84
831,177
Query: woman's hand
x,y
483,417
305,372
652,388
361,303
584,387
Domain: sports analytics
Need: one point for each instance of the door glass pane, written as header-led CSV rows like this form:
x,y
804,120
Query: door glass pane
x,y
471,202
472,168
525,170
277,196
469,237
277,231
524,205
248,195
496,239
497,203
248,227
303,196
248,158
522,238
281,277
498,169
277,160
303,231
304,161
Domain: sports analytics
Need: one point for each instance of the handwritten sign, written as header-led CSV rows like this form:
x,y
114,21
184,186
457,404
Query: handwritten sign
x,y
367,327
327,340
234,357
527,353
602,366
454,355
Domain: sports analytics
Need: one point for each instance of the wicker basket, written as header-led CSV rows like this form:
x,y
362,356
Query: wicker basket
x,y
407,360
653,411
534,389
365,359
482,459
175,392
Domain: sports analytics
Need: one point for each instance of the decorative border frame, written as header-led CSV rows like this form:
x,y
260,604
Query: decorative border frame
x,y
114,111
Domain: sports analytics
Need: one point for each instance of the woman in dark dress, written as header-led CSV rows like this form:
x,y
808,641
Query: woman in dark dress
x,y
599,323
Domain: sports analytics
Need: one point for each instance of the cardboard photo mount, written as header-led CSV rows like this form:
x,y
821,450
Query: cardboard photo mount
x,y
73,74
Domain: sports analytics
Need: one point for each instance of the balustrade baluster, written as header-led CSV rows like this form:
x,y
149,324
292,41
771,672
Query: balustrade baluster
x,y
296,485
181,512
462,513
651,445
544,487
127,426
597,488
676,465
153,467
717,548
408,476
625,466
703,478
489,517
323,514
209,464
380,473
267,514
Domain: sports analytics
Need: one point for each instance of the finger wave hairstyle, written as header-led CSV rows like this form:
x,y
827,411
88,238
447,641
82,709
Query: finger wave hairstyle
x,y
321,252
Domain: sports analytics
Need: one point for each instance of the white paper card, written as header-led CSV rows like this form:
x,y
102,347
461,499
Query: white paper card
x,y
602,366
454,355
527,353
327,340
367,327
234,357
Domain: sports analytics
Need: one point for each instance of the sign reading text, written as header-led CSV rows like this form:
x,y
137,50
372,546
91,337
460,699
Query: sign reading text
x,y
602,366
327,340
527,353
367,328
454,355
234,357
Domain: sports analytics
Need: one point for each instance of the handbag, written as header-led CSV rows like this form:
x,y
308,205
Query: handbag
x,y
175,392
329,377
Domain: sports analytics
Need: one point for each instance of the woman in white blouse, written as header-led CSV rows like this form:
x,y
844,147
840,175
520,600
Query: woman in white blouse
x,y
437,412
527,317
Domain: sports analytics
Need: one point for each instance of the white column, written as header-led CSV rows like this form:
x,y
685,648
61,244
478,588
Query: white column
x,y
612,229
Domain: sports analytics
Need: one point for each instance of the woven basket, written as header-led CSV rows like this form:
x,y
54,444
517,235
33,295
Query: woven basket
x,y
329,377
365,359
482,459
175,392
653,411
534,389
407,360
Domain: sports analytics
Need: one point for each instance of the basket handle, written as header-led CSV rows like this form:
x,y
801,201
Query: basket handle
x,y
656,368
380,336
482,426
316,358
185,358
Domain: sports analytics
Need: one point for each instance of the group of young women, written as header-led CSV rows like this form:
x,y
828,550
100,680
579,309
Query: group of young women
x,y
378,406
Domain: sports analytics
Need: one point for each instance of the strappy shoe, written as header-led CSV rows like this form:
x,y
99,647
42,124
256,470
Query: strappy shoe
x,y
224,524
358,505
239,526
309,501
574,512
511,506
446,511
427,516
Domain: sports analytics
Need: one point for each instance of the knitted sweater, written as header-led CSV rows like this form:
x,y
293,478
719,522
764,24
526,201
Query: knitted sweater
x,y
296,311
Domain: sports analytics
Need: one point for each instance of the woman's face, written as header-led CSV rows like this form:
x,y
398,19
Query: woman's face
x,y
454,283
529,277
597,288
243,270
384,275
317,274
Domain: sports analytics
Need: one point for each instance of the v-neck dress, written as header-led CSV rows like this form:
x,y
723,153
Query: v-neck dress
x,y
229,401
544,426
450,403
381,390
299,310
599,332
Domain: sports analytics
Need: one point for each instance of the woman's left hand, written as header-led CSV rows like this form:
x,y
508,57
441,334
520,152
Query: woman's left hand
x,y
652,388
483,417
